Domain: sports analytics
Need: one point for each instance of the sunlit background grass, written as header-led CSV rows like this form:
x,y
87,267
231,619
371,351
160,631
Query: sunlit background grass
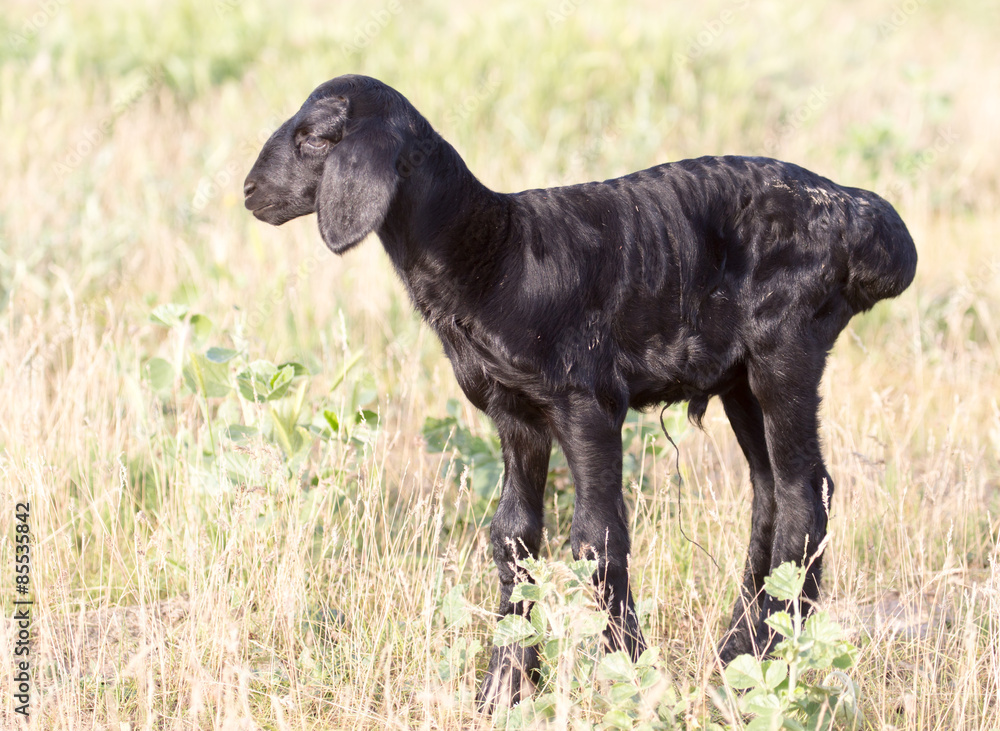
x,y
291,572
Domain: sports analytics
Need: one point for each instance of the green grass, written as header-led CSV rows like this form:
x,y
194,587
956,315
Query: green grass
x,y
294,572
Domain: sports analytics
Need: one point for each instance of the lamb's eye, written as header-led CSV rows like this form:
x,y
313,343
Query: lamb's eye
x,y
313,145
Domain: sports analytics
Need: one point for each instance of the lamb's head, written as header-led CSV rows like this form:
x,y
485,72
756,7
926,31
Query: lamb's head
x,y
339,157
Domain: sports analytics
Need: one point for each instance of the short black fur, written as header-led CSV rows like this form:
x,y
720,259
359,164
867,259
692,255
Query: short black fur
x,y
561,308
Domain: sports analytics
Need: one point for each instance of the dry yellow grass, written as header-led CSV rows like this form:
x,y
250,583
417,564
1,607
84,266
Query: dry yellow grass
x,y
168,595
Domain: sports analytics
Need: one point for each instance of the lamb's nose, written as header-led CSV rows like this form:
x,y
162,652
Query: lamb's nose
x,y
248,188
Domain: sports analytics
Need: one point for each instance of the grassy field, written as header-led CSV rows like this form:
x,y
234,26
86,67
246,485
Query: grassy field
x,y
320,560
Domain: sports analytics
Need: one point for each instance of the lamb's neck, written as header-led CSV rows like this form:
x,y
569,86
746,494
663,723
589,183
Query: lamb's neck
x,y
446,226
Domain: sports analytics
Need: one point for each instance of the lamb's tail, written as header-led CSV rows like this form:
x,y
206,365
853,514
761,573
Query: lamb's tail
x,y
882,258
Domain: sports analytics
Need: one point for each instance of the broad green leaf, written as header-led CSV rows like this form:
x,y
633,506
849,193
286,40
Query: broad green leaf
x,y
823,629
201,328
545,702
300,370
846,659
788,649
160,373
785,582
763,703
583,570
539,619
239,433
745,672
254,381
486,476
204,377
332,420
454,608
437,432
781,622
649,677
221,355
280,382
617,667
319,432
623,695
169,315
644,609
771,722
648,656
618,719
529,713
538,569
744,700
590,623
284,437
552,650
364,389
264,381
512,629
368,416
290,436
526,591
775,673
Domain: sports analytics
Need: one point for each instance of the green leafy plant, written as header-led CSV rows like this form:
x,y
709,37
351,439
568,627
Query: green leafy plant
x,y
642,437
480,458
804,686
244,400
475,456
567,626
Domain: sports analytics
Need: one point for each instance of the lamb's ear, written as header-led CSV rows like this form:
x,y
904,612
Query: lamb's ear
x,y
358,185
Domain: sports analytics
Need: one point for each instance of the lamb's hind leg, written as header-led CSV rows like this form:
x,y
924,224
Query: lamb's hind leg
x,y
747,420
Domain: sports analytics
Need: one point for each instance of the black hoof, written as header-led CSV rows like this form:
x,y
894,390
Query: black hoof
x,y
510,677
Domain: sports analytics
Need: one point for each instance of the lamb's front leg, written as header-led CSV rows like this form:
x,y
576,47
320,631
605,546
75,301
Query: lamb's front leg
x,y
802,485
516,533
591,439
